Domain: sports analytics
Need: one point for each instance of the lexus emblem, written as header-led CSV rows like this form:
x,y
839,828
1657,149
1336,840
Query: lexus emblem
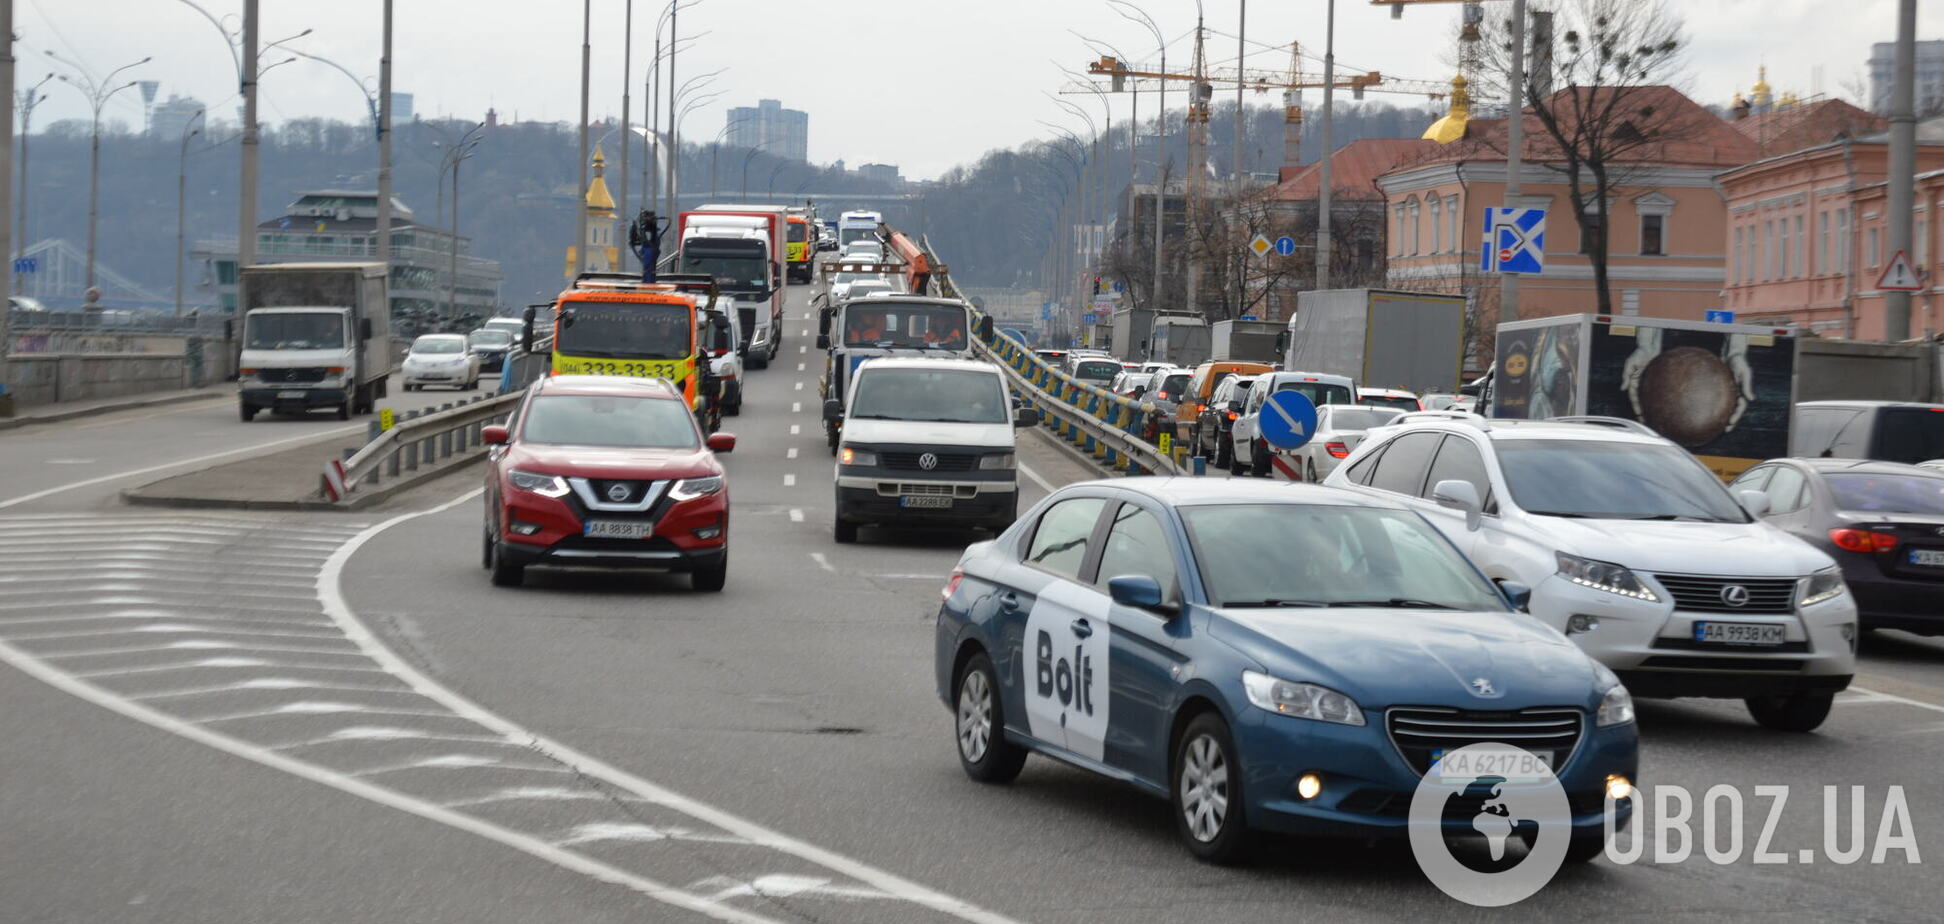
x,y
617,492
1734,595
1483,687
928,461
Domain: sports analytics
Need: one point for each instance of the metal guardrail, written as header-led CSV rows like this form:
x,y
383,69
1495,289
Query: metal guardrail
x,y
1102,424
113,321
423,439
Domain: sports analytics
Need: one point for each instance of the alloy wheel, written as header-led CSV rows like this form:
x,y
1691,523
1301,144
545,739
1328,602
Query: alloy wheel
x,y
1204,788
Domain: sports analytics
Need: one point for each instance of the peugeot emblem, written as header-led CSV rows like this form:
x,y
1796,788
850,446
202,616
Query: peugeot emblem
x,y
1483,687
928,461
1734,595
617,492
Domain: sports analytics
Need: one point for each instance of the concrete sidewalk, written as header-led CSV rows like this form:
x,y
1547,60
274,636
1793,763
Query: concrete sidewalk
x,y
290,479
70,410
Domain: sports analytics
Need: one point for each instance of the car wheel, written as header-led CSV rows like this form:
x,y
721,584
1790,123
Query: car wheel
x,y
1309,472
505,573
1791,712
1259,459
247,412
733,410
408,386
1225,456
1207,791
344,411
844,531
758,362
711,579
980,726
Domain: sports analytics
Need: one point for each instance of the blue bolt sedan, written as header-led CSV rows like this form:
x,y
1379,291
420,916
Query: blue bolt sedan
x,y
1279,657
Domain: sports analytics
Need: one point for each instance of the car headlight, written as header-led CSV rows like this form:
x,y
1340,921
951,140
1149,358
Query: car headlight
x,y
543,485
692,488
1616,707
1826,584
996,460
1303,700
1603,575
849,456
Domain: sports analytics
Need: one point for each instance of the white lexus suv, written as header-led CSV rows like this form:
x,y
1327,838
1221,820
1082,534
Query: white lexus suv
x,y
1632,548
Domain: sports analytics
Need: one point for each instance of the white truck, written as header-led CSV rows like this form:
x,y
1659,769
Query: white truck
x,y
1244,341
1380,338
315,335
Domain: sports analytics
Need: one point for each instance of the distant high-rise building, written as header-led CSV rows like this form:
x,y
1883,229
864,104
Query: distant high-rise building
x,y
767,125
882,173
167,119
401,108
1930,76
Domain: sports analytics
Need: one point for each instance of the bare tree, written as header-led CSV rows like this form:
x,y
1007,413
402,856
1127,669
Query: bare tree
x,y
1613,112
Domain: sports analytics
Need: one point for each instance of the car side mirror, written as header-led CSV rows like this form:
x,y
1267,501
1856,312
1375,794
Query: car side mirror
x,y
495,435
526,331
364,328
833,410
722,442
1755,502
1460,495
1235,406
985,329
1517,594
1140,591
823,341
1026,417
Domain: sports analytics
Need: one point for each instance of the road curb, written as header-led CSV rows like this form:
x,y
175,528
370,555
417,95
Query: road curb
x,y
11,423
360,501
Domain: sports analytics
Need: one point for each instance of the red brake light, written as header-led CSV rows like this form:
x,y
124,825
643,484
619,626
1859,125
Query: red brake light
x,y
1862,540
1336,450
1231,415
952,583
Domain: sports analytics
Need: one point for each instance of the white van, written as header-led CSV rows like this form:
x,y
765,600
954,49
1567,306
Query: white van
x,y
926,442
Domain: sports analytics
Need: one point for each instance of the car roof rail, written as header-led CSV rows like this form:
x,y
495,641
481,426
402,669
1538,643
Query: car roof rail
x,y
1617,423
1466,417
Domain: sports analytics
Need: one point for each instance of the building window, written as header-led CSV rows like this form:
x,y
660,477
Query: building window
x,y
1437,224
1457,223
1650,234
1768,250
1416,226
1397,240
1748,256
1843,241
1920,243
1801,242
1822,244
1870,249
1740,272
1782,258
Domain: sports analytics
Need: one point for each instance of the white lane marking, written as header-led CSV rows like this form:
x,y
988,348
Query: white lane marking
x,y
780,885
1871,696
272,683
799,367
789,481
207,663
822,562
799,386
1036,478
91,461
529,844
796,407
803,349
796,516
331,595
796,429
192,644
596,832
790,453
182,463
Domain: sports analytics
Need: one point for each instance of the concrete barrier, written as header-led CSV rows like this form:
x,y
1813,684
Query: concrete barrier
x,y
48,378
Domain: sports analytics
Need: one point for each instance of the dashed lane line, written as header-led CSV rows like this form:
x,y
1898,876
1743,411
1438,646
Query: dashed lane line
x,y
789,481
796,515
790,453
1037,479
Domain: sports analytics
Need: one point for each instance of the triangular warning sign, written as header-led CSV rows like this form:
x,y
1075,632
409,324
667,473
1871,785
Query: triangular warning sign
x,y
1898,276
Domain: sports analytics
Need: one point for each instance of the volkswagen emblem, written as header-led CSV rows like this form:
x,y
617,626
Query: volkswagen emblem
x,y
1734,595
1483,687
928,461
617,492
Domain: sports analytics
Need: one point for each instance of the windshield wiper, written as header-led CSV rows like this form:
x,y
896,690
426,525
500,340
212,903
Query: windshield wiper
x,y
1399,603
1263,604
1563,513
1688,517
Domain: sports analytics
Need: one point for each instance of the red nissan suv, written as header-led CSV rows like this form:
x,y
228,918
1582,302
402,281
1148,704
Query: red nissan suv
x,y
610,472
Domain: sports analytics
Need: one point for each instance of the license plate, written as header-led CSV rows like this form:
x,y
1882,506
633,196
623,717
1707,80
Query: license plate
x,y
1931,557
1513,766
1738,633
292,394
915,500
617,529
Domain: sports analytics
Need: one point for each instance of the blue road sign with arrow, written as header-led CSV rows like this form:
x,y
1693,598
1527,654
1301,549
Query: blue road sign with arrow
x,y
1515,241
1285,245
1287,420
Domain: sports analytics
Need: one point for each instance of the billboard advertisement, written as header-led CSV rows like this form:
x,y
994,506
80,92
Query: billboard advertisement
x,y
1721,393
1539,371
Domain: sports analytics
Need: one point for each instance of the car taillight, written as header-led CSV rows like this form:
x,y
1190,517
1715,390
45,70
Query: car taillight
x,y
1862,540
1231,415
952,583
1336,450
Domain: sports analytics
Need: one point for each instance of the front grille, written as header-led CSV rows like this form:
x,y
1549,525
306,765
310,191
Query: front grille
x,y
306,374
603,486
1696,663
747,318
947,461
1688,644
1420,731
1702,594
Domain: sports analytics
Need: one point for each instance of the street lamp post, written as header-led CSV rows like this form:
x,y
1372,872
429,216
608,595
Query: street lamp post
x,y
98,94
454,155
182,201
715,146
745,171
627,102
26,104
1130,12
580,214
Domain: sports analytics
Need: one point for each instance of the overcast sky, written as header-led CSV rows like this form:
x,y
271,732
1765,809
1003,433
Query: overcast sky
x,y
922,84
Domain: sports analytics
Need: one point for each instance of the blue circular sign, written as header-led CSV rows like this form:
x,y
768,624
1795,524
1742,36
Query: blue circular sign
x,y
1285,245
1287,420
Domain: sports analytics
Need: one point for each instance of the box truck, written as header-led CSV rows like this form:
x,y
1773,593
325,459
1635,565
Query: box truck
x,y
743,247
315,335
1249,341
1381,338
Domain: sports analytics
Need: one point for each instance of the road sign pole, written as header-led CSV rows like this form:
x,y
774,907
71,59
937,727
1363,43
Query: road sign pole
x,y
1514,151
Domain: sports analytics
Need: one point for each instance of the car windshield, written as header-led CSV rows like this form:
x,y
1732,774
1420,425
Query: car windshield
x,y
944,395
902,324
734,273
438,345
1910,434
1318,392
1356,418
1396,401
320,330
1096,370
1255,555
1174,385
609,420
490,337
1861,493
630,330
1596,479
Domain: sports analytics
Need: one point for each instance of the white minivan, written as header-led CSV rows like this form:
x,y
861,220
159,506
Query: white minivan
x,y
926,442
